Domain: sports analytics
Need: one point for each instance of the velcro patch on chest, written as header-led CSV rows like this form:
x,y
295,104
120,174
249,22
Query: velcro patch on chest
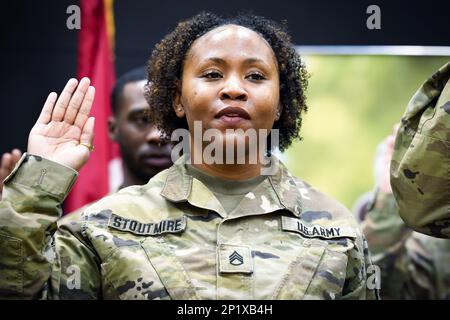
x,y
315,231
235,259
176,225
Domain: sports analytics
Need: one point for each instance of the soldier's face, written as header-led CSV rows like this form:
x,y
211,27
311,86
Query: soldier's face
x,y
142,151
230,66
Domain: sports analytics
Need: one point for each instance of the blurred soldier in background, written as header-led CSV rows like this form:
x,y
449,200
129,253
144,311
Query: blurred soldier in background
x,y
413,265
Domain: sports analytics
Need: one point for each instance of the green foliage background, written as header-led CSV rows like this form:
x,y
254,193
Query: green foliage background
x,y
354,101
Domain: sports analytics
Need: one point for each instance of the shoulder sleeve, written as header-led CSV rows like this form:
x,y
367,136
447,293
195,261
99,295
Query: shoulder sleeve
x,y
420,167
384,229
387,235
30,207
361,278
75,265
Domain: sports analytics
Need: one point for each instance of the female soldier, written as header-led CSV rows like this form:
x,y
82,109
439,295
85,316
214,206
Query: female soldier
x,y
195,231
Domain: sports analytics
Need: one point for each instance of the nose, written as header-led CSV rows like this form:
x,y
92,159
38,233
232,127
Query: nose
x,y
233,90
153,135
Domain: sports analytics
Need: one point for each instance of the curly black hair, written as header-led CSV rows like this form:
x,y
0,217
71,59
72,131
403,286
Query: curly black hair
x,y
165,69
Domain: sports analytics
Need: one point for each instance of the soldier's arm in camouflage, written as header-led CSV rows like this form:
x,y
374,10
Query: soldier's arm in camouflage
x,y
386,234
36,262
426,267
361,281
406,266
420,167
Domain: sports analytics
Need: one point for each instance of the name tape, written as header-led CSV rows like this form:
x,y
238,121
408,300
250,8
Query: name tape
x,y
164,226
315,231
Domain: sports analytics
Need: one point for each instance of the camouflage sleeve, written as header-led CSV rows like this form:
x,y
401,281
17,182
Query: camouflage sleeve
x,y
386,235
424,279
76,272
362,279
384,229
405,258
420,167
31,255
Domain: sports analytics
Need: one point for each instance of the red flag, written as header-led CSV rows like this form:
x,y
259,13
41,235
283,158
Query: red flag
x,y
95,60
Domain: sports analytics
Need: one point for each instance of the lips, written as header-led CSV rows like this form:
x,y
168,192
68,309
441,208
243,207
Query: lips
x,y
156,156
233,112
158,162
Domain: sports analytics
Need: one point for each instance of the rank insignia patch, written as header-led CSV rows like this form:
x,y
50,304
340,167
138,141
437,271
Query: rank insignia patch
x,y
236,259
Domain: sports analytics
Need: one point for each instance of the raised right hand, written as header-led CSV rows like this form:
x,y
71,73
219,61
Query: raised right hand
x,y
64,129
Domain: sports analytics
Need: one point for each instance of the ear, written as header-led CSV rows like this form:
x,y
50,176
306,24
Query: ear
x,y
176,104
112,128
278,111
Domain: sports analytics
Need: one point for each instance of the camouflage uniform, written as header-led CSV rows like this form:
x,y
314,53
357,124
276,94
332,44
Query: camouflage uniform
x,y
412,265
172,239
420,167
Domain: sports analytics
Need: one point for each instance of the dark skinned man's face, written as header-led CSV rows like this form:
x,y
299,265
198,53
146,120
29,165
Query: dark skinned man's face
x,y
143,152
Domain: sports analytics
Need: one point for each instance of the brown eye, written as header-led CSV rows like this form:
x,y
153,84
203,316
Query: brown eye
x,y
256,76
212,75
141,121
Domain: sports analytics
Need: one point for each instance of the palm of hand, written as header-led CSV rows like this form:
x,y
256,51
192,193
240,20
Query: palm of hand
x,y
64,130
58,141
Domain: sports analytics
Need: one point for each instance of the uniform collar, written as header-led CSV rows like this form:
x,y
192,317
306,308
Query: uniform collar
x,y
279,191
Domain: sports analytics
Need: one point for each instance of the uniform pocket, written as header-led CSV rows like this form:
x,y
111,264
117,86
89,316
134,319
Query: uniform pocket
x,y
317,273
329,280
11,265
169,269
127,274
297,279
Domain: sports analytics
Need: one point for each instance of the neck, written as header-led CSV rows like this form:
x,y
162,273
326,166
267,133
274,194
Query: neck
x,y
241,167
230,171
130,179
